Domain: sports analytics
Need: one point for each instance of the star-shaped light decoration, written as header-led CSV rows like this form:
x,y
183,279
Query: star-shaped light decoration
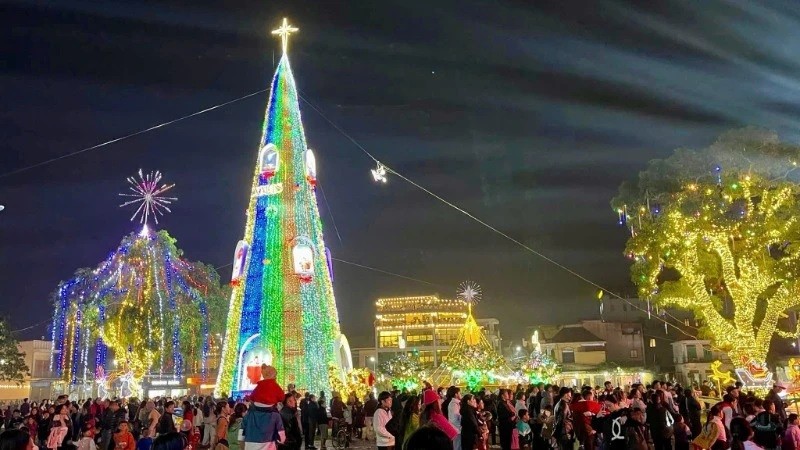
x,y
470,292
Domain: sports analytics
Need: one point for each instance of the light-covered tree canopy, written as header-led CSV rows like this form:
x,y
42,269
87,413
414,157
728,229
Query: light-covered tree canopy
x,y
715,230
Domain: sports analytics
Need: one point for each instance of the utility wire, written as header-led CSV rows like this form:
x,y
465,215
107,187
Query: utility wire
x,y
386,272
481,222
367,153
127,136
330,211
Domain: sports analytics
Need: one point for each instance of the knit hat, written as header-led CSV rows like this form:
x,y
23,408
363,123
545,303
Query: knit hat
x,y
269,372
429,397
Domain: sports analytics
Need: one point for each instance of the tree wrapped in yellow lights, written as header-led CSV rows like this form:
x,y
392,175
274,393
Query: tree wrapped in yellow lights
x,y
472,362
355,381
716,231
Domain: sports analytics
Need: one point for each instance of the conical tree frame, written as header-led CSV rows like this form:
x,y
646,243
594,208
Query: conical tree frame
x,y
471,359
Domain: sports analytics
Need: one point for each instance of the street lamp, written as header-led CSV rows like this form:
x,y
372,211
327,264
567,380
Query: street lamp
x,y
374,364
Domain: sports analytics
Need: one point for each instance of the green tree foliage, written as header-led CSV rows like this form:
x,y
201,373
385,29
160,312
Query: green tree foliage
x,y
12,362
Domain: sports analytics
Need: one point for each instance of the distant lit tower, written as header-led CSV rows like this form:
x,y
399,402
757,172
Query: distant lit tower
x,y
282,310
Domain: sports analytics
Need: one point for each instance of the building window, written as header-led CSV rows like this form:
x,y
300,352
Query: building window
x,y
419,339
707,356
567,356
426,358
691,353
41,368
446,337
389,339
634,354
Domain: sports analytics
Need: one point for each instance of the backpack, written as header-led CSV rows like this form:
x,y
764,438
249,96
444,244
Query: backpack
x,y
393,426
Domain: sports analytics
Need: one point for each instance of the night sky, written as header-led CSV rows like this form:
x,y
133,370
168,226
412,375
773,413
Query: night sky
x,y
527,114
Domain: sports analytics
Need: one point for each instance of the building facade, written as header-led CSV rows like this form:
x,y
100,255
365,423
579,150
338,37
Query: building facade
x,y
693,359
364,358
426,325
38,385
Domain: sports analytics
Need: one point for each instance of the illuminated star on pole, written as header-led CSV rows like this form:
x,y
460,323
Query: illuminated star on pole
x,y
470,292
284,31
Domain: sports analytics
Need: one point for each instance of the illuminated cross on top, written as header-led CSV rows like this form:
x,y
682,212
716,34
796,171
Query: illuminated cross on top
x,y
284,31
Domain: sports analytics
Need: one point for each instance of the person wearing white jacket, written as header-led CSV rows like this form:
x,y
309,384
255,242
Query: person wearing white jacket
x,y
383,439
454,417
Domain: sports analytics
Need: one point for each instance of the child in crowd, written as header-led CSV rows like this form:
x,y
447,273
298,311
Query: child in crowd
x,y
123,439
521,436
87,438
145,442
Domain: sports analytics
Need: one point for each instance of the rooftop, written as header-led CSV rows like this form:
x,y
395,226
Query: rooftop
x,y
573,334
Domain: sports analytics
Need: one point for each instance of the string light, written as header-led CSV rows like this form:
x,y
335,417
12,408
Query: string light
x,y
471,360
403,371
285,295
142,291
723,238
148,197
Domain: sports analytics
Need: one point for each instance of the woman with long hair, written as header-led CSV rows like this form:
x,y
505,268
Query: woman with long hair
x,y
657,420
741,435
234,427
506,418
222,411
484,417
209,423
188,411
712,436
409,419
470,430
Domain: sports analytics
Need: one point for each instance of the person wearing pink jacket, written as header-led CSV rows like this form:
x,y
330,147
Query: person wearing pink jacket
x,y
433,414
791,437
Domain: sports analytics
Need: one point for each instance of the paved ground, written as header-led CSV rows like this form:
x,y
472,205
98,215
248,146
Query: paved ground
x,y
359,444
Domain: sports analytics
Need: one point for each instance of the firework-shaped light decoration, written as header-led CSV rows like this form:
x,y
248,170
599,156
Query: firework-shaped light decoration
x,y
148,196
470,292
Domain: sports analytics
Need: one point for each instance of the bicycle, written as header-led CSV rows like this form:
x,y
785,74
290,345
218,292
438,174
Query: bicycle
x,y
343,436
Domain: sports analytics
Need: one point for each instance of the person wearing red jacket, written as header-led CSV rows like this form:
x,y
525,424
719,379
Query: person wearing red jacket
x,y
583,412
267,392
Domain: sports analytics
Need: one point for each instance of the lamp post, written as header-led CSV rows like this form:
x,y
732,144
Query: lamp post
x,y
374,364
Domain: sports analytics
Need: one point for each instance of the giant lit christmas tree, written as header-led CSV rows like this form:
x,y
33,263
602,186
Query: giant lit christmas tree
x,y
282,305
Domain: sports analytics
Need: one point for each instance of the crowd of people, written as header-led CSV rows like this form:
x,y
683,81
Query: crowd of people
x,y
657,416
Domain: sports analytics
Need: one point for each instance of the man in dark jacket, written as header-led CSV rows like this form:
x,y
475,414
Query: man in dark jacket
x,y
369,411
637,435
294,434
768,427
166,423
109,423
774,396
309,416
